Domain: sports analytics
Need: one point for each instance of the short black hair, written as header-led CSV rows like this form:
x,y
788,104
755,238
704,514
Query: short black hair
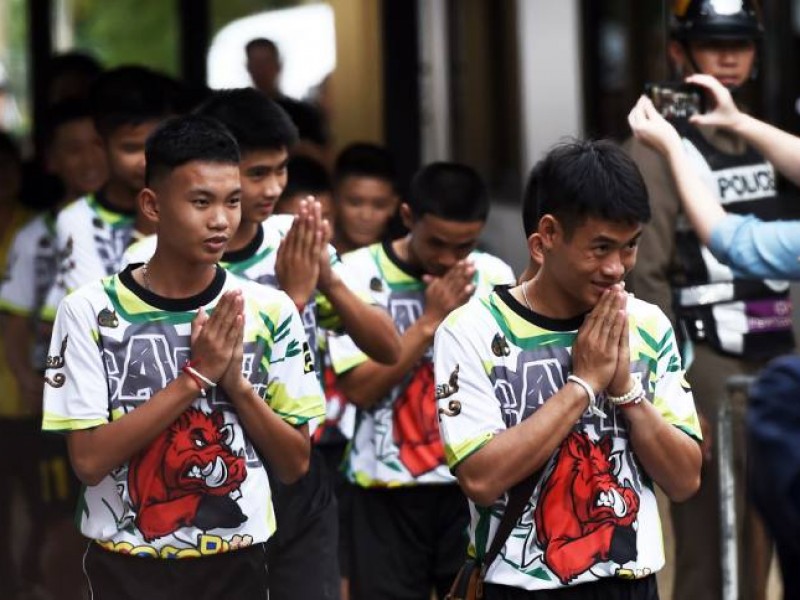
x,y
306,176
74,61
362,159
185,139
65,112
130,95
580,179
450,191
262,43
255,121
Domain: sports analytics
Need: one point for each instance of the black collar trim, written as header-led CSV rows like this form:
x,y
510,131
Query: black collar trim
x,y
174,304
549,323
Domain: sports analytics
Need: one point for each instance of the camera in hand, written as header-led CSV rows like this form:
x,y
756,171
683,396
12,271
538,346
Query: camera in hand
x,y
676,99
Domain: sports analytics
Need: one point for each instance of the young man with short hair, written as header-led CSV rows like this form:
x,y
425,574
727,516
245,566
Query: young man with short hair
x,y
570,381
408,516
75,157
365,195
176,382
93,231
292,254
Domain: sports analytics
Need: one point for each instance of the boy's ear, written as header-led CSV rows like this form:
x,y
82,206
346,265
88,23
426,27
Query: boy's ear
x,y
548,229
406,216
536,248
148,204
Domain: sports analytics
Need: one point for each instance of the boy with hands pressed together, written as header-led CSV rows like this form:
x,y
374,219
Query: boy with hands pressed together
x,y
175,382
574,386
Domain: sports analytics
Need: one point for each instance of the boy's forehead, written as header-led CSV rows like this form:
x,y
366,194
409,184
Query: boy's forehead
x,y
200,172
265,156
595,227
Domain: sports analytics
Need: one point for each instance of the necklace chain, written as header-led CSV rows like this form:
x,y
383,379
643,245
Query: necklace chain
x,y
524,293
146,276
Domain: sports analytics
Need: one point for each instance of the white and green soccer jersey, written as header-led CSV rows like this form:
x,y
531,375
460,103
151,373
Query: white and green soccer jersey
x,y
256,262
396,442
200,487
31,271
91,238
593,512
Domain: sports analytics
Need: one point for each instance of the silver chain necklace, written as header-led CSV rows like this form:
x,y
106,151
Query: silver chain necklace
x,y
524,293
146,276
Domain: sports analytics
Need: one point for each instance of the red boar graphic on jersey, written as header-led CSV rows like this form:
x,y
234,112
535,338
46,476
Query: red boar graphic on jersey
x,y
416,424
185,476
584,515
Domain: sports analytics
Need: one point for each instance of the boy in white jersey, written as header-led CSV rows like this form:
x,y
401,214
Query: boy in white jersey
x,y
170,413
568,380
293,254
93,231
408,516
75,157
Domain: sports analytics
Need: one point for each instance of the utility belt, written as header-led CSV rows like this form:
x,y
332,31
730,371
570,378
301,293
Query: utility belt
x,y
756,325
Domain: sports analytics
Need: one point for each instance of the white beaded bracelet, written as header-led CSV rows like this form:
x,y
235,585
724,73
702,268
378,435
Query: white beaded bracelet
x,y
593,408
632,396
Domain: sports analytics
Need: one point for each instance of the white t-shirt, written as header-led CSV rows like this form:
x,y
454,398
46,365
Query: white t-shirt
x,y
396,442
91,239
593,512
200,487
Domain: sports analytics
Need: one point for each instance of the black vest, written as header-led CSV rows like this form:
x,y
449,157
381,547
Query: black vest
x,y
739,317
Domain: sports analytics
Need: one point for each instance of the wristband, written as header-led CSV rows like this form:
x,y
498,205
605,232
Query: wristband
x,y
592,408
632,396
197,376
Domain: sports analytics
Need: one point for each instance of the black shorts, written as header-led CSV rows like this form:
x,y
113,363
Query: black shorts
x,y
334,456
238,575
605,589
40,464
59,486
406,541
19,446
303,554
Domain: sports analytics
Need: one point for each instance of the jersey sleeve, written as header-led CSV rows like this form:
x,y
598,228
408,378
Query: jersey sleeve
x,y
327,318
469,414
18,288
293,390
76,387
66,262
672,395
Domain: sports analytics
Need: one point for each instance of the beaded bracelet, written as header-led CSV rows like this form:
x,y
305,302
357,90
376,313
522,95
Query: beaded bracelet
x,y
632,397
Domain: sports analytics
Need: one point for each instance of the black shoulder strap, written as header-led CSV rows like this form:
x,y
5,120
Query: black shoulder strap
x,y
518,497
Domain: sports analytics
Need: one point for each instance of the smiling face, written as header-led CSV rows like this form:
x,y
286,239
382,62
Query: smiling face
x,y
76,157
197,210
364,206
580,267
125,154
263,175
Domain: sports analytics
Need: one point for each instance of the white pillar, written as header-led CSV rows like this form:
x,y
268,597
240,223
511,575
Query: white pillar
x,y
551,90
434,54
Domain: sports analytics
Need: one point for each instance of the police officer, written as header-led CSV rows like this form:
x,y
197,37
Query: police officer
x,y
727,325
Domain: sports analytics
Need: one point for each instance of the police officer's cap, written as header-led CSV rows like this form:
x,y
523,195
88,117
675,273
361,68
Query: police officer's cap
x,y
715,20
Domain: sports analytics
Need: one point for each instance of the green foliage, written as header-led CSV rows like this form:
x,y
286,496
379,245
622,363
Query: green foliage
x,y
143,32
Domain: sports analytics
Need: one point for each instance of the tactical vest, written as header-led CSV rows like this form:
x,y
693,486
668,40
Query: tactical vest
x,y
739,317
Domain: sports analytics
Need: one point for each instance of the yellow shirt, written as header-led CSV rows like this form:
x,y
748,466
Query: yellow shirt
x,y
11,405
